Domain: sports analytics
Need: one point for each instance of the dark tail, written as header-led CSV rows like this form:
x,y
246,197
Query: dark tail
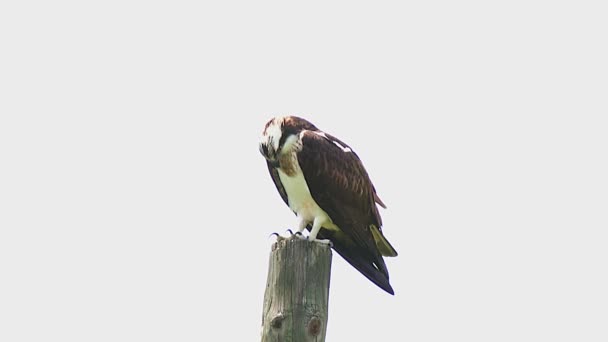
x,y
371,266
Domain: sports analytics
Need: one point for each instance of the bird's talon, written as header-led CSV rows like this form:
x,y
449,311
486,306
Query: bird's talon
x,y
279,237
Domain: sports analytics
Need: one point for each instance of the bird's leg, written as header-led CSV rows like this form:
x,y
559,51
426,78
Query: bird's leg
x,y
316,226
301,226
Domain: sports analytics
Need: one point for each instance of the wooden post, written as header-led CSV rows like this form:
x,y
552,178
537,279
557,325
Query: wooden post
x,y
297,291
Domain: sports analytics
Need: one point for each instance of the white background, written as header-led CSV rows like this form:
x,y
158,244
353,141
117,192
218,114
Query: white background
x,y
134,204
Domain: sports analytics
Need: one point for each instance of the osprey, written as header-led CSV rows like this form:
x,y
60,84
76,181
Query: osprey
x,y
324,183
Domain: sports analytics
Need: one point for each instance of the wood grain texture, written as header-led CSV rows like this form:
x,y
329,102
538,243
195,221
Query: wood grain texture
x,y
297,292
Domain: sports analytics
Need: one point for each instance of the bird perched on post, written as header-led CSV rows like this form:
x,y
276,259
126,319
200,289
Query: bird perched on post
x,y
324,183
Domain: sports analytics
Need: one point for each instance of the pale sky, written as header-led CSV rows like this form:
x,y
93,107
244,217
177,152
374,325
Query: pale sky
x,y
135,206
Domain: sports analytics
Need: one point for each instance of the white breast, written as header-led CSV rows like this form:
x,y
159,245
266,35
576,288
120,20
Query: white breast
x,y
300,200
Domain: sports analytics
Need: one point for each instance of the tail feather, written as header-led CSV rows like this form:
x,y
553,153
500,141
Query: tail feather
x,y
385,247
376,271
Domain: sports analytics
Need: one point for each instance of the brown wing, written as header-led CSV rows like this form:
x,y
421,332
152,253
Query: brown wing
x,y
340,185
277,182
366,181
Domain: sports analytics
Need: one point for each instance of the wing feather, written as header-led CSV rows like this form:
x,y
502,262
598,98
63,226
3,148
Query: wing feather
x,y
340,185
277,182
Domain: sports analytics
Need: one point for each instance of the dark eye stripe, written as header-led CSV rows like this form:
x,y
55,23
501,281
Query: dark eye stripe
x,y
287,132
282,140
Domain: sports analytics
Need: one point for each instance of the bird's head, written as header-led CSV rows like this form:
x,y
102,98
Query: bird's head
x,y
281,136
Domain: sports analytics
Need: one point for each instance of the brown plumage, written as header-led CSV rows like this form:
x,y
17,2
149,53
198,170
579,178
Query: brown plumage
x,y
340,186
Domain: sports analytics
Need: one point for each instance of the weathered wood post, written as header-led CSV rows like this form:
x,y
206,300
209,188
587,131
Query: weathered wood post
x,y
297,291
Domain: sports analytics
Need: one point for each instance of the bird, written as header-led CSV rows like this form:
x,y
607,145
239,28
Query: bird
x,y
324,183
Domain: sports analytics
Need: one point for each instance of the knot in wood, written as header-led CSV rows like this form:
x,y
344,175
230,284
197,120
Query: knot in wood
x,y
277,321
314,326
